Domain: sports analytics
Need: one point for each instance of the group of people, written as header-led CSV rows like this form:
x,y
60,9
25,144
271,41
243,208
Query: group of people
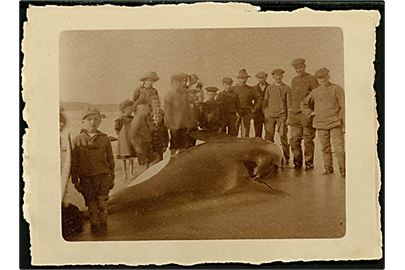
x,y
146,127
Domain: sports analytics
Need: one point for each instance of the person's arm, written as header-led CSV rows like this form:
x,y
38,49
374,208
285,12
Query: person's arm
x,y
314,83
135,95
285,100
167,108
110,155
305,105
341,102
237,103
258,100
289,100
265,102
117,125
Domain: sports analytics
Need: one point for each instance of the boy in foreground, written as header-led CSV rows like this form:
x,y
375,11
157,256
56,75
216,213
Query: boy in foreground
x,y
93,168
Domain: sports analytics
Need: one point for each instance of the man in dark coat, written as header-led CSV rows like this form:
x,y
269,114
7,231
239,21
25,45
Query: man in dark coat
x,y
258,118
301,125
230,107
250,101
211,112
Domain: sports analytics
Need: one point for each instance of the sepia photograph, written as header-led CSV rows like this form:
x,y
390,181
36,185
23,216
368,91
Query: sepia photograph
x,y
200,133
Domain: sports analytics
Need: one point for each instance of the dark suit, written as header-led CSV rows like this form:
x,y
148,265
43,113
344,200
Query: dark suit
x,y
258,118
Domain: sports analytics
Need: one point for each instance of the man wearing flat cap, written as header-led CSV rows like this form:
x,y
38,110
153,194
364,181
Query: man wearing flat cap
x,y
275,111
301,126
146,92
211,112
249,99
177,113
328,112
260,87
229,101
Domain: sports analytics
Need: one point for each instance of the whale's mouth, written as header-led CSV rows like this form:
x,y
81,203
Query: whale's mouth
x,y
250,166
263,170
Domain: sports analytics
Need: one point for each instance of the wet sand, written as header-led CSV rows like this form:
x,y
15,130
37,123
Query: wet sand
x,y
309,205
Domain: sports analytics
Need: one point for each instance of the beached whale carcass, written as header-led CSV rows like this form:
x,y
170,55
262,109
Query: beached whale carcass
x,y
210,169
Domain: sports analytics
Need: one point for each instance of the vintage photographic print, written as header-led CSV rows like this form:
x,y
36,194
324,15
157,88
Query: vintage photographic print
x,y
198,134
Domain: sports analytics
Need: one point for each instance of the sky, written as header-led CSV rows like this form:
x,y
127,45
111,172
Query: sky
x,y
104,66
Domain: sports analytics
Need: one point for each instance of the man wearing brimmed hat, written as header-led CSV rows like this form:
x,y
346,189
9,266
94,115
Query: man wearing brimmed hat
x,y
301,126
260,87
249,99
328,112
275,111
211,111
177,112
92,168
146,91
229,101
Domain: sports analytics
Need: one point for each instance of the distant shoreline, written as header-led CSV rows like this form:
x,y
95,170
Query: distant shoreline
x,y
77,106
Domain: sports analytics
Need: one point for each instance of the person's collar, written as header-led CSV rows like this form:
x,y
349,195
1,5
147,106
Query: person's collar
x,y
303,74
265,84
279,84
87,133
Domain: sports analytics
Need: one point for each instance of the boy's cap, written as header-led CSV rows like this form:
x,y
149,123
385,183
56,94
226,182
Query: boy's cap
x,y
90,110
211,89
227,80
193,78
242,74
298,62
125,104
322,73
180,77
261,74
277,71
152,75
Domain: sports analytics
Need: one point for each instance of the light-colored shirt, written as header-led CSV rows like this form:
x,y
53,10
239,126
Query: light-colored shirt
x,y
329,106
275,100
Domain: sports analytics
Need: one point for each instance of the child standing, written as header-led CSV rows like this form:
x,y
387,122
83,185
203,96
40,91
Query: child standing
x,y
146,92
140,134
160,134
93,168
125,151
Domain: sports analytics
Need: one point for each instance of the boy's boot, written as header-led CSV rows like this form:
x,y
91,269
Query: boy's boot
x,y
93,214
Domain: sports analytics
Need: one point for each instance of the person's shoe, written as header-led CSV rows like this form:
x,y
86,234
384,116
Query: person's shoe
x,y
343,173
103,228
328,171
297,165
94,228
309,166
